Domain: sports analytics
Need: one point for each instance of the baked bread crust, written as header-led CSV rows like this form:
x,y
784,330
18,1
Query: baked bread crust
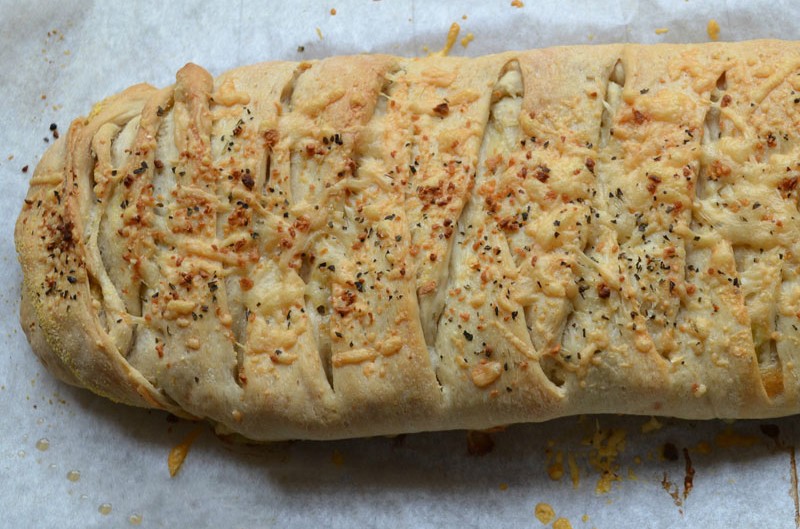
x,y
375,245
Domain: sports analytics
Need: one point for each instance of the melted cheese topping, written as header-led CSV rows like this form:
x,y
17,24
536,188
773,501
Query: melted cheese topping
x,y
321,249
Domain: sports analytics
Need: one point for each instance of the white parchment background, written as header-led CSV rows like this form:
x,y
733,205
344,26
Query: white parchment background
x,y
94,49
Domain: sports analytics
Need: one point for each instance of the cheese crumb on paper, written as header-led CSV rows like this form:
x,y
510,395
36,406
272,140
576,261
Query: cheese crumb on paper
x,y
179,452
544,513
562,523
652,425
713,29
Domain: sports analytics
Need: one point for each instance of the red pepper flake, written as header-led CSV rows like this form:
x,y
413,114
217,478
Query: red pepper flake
x,y
603,291
652,185
159,164
590,164
348,297
726,100
442,109
248,181
771,141
638,117
64,239
508,224
788,184
246,283
542,173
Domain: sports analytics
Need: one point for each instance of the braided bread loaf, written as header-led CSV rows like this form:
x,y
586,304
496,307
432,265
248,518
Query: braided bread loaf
x,y
374,245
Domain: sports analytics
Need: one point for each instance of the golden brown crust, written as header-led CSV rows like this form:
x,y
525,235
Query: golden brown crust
x,y
374,245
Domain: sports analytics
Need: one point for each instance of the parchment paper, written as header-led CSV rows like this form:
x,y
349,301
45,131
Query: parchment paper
x,y
57,58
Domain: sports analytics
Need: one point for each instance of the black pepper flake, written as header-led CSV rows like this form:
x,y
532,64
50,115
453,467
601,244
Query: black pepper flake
x,y
53,126
71,280
359,286
331,268
468,336
25,169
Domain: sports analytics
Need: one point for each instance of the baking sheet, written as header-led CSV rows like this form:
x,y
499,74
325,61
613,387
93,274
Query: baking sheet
x,y
58,58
